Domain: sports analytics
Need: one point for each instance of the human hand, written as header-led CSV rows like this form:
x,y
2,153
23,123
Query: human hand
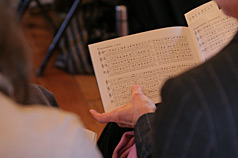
x,y
127,115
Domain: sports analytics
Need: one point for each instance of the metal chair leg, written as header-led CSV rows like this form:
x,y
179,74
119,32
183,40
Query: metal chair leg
x,y
22,6
47,16
57,37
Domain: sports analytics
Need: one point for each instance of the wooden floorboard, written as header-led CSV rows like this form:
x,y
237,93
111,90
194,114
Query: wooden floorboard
x,y
77,93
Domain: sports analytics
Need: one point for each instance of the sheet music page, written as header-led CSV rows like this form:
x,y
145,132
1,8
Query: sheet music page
x,y
209,9
147,59
213,30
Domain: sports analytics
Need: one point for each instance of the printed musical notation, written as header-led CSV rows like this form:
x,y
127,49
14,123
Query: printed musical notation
x,y
147,59
172,49
201,11
138,56
150,58
127,58
215,34
151,81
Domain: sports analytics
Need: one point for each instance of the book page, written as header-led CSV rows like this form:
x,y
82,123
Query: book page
x,y
147,59
209,9
213,30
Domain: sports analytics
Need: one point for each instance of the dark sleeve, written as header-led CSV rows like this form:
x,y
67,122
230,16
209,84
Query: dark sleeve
x,y
182,125
143,135
40,95
110,137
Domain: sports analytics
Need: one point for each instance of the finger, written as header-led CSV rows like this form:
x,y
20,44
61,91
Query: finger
x,y
136,89
124,125
102,118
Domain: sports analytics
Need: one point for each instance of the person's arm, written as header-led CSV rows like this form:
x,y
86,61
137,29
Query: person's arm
x,y
143,135
138,114
127,115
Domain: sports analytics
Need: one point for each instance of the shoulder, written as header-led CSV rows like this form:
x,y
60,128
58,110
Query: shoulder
x,y
198,105
34,130
60,129
40,95
221,69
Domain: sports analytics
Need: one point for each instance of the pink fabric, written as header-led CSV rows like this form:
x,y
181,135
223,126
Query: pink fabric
x,y
126,148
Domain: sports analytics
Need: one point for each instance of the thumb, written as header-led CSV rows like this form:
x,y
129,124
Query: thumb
x,y
136,89
102,118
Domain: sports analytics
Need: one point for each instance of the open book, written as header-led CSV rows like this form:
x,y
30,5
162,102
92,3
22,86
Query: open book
x,y
150,58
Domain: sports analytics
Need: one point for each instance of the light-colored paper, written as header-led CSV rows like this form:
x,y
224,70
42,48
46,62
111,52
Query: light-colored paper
x,y
147,59
210,29
150,58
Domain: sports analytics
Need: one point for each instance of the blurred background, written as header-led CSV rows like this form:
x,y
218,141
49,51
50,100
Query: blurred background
x,y
75,92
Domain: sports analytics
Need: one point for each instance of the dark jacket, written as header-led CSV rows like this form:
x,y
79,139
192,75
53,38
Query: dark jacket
x,y
198,116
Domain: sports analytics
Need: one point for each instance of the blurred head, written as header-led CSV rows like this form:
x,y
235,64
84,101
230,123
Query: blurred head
x,y
14,62
229,7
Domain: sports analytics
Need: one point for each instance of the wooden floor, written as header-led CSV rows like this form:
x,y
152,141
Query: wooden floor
x,y
76,94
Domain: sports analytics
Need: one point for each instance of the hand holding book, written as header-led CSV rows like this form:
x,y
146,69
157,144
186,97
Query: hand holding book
x,y
127,115
150,58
